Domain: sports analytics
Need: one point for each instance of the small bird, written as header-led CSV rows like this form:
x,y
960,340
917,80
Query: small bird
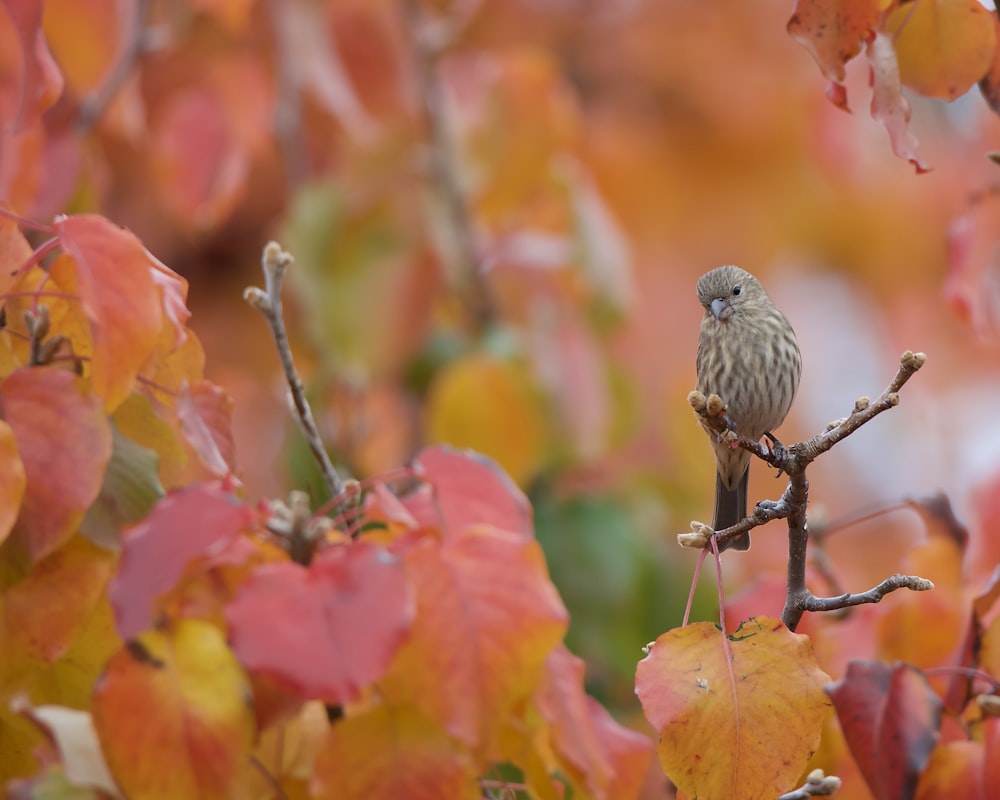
x,y
749,356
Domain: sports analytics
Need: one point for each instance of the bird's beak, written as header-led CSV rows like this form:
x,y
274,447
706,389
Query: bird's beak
x,y
721,309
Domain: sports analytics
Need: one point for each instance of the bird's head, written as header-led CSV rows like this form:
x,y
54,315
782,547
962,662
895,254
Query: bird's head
x,y
723,290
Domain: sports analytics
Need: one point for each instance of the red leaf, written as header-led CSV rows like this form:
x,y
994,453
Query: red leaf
x,y
833,31
351,610
470,489
836,93
64,441
891,719
194,521
888,104
40,83
205,414
114,277
199,160
610,760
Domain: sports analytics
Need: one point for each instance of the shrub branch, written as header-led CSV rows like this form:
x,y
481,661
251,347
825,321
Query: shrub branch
x,y
267,301
792,505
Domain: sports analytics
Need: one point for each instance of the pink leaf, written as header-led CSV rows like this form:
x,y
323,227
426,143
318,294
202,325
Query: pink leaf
x,y
327,630
198,520
470,489
888,104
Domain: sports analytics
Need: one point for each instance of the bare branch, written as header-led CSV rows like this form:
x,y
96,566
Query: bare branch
x,y
873,595
136,45
794,501
426,48
865,411
274,262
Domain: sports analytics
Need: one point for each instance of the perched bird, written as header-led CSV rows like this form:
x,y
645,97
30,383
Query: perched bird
x,y
749,356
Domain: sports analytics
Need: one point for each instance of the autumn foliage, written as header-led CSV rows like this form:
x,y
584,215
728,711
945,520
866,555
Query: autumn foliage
x,y
498,211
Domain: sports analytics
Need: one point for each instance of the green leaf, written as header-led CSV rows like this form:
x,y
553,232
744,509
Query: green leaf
x,y
131,487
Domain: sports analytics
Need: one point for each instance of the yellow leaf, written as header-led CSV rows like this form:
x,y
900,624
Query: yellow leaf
x,y
173,715
943,46
739,716
488,405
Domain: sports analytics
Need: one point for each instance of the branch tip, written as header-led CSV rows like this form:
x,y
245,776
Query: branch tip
x,y
989,704
698,538
817,784
274,258
257,298
911,360
697,401
714,406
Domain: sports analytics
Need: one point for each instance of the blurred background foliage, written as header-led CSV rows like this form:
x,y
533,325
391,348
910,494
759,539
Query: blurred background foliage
x,y
499,209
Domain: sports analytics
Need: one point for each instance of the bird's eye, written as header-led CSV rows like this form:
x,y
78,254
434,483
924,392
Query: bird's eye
x,y
737,290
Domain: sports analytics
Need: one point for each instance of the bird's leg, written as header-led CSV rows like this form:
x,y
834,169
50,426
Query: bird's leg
x,y
777,448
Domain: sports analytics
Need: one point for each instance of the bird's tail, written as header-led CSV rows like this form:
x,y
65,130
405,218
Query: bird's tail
x,y
730,508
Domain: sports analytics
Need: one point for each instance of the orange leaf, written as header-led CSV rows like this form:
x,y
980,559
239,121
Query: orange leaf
x,y
389,753
737,718
609,761
12,480
489,405
173,716
204,411
943,46
470,489
833,31
199,519
173,290
487,618
888,104
989,652
890,718
233,15
955,770
84,36
45,613
65,444
352,610
115,283
30,81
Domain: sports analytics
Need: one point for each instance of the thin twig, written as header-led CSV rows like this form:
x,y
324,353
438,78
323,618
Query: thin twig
x,y
287,117
873,595
443,165
268,301
795,499
136,45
